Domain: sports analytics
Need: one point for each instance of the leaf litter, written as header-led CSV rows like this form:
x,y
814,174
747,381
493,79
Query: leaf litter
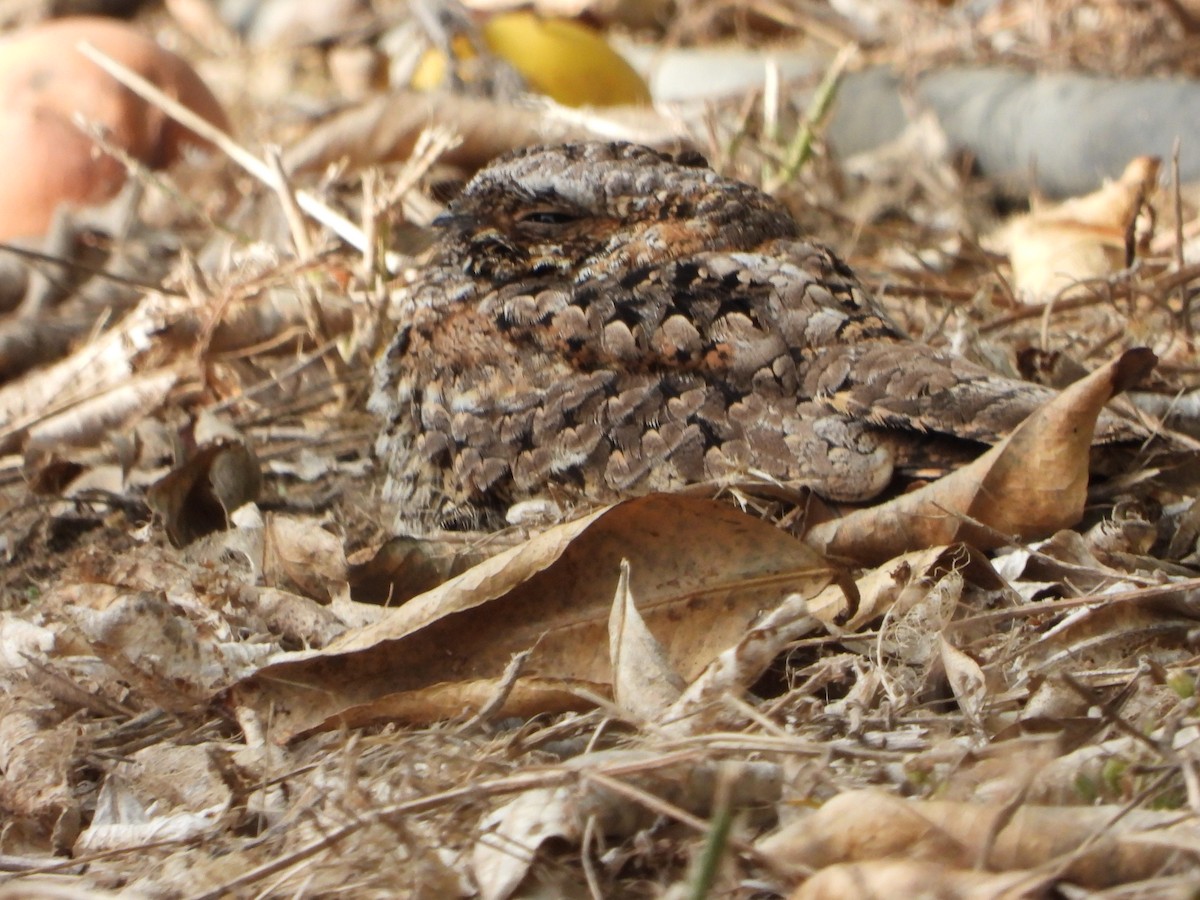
x,y
223,677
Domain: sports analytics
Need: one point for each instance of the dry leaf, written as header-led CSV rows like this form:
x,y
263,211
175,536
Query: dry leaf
x,y
1063,566
700,570
644,684
187,778
917,587
297,620
966,680
513,833
1054,249
906,580
404,567
195,499
274,314
22,641
890,878
44,401
122,821
510,52
35,757
733,671
1128,624
154,645
1097,846
93,418
1031,484
301,556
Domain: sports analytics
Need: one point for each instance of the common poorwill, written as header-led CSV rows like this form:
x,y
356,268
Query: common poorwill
x,y
599,320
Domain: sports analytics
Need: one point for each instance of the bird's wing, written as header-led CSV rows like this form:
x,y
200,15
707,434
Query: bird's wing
x,y
851,358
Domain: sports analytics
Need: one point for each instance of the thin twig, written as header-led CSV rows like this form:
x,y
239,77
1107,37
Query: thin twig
x,y
331,219
473,792
92,271
514,669
291,209
1185,303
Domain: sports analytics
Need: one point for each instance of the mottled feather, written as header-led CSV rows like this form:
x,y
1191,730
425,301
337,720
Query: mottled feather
x,y
601,320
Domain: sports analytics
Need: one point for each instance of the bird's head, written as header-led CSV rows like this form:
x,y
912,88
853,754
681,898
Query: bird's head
x,y
590,210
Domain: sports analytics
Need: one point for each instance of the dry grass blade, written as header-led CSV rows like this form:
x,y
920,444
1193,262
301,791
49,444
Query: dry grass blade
x,y
334,221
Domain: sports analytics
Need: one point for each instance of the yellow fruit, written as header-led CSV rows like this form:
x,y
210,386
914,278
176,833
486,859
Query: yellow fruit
x,y
562,59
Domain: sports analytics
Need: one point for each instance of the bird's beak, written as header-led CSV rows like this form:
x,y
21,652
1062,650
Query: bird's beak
x,y
451,218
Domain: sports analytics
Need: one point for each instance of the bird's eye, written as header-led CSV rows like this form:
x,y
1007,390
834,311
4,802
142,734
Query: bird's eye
x,y
548,217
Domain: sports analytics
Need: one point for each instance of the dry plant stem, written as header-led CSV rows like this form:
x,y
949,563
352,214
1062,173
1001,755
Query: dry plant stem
x,y
1155,592
334,221
22,864
800,150
1063,863
585,857
937,291
143,174
272,382
738,742
793,16
511,673
432,144
498,787
370,225
1180,278
1109,713
287,199
725,152
92,271
739,707
62,687
770,112
1185,304
1191,778
1047,313
1034,311
998,824
661,807
69,864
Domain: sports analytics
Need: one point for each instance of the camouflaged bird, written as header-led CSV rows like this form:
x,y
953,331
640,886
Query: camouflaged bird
x,y
600,320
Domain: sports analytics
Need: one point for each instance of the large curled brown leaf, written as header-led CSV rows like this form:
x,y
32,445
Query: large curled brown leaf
x,y
701,572
1029,485
1093,846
